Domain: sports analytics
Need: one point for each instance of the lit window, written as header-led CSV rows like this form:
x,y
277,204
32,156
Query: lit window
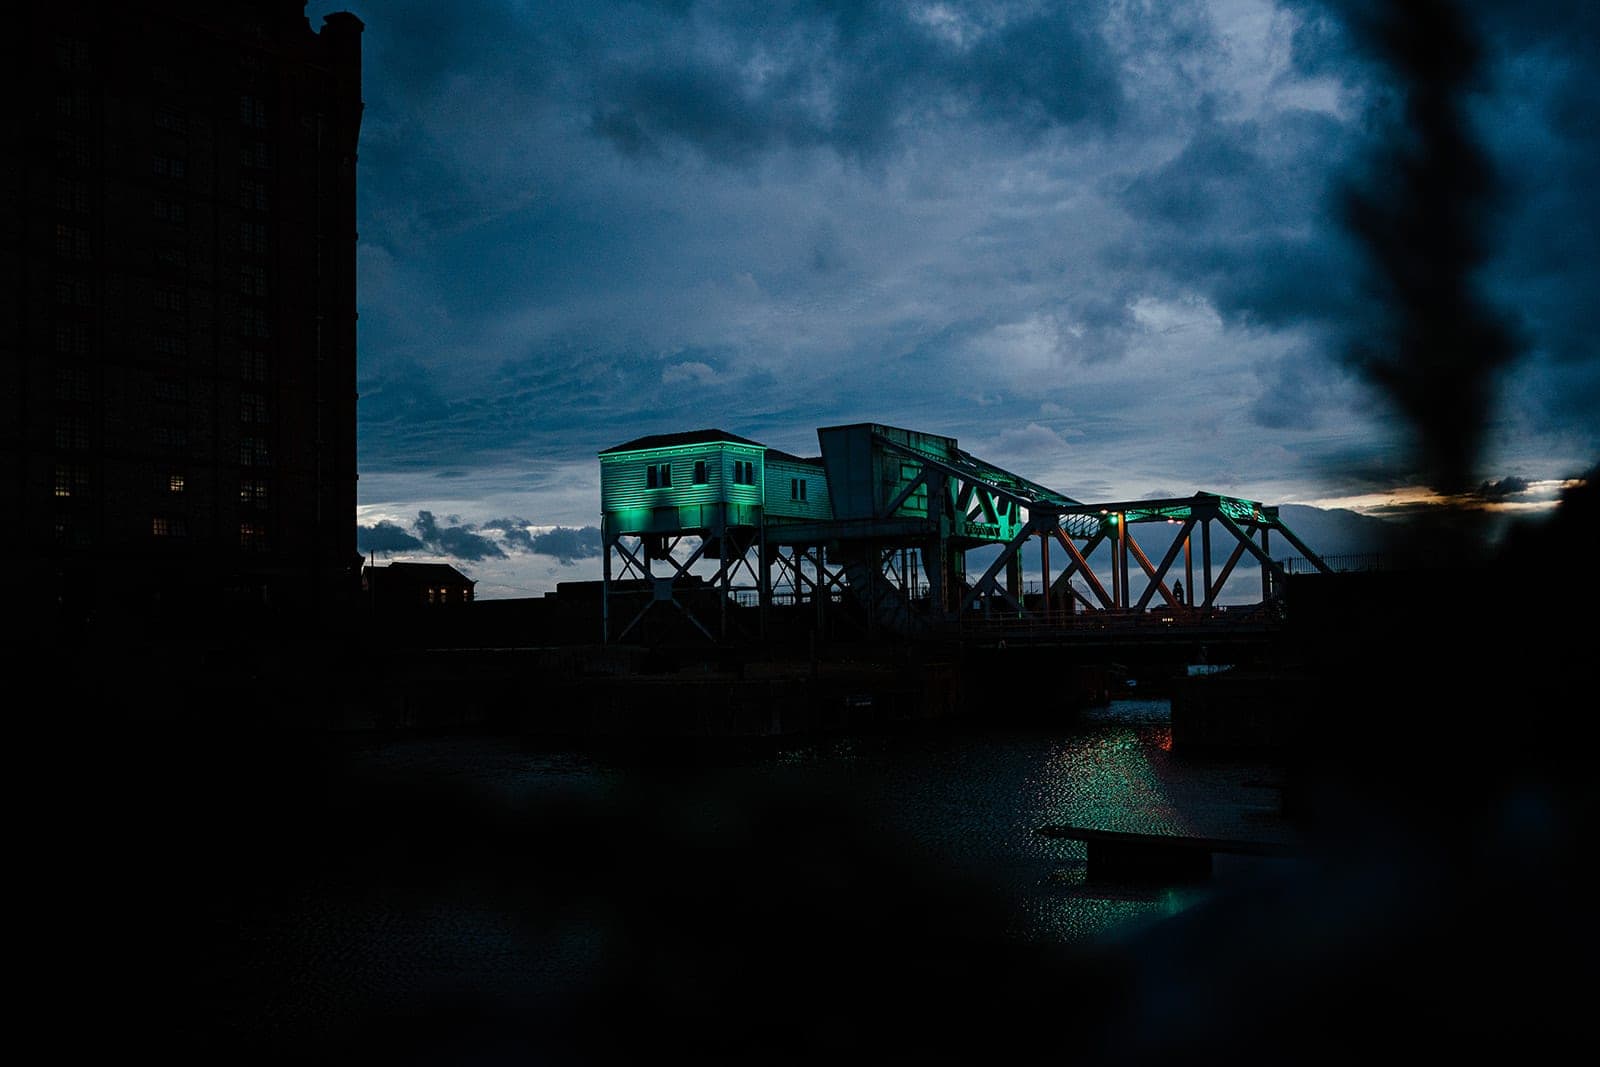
x,y
174,483
164,526
700,472
252,535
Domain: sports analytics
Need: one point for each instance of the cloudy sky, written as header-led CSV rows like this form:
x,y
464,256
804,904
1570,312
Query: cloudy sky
x,y
1305,252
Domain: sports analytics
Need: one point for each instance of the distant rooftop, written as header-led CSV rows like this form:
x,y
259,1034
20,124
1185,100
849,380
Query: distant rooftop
x,y
778,453
689,437
441,571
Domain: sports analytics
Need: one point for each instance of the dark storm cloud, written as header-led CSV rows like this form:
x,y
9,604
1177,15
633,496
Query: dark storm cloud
x,y
514,532
384,537
1455,185
1239,213
1506,487
568,544
458,541
733,80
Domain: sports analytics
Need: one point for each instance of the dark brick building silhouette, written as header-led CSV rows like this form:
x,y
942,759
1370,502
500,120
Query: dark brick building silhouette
x,y
178,428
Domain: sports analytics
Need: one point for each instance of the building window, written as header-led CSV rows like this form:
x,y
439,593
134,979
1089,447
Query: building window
x,y
172,256
71,479
74,293
168,298
172,121
174,483
72,384
253,366
72,195
72,338
171,437
252,112
72,432
253,452
252,236
252,408
72,242
171,392
797,488
700,472
168,526
72,148
252,493
171,211
71,54
658,476
252,536
255,154
253,195
168,167
253,280
253,322
170,344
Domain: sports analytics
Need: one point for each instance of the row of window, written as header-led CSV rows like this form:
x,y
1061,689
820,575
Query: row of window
x,y
72,435
74,242
252,535
72,339
659,475
72,479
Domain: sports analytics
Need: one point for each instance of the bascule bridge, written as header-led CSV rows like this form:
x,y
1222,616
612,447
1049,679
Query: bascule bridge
x,y
884,518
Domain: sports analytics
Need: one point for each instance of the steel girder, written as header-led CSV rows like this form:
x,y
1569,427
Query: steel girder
x,y
633,557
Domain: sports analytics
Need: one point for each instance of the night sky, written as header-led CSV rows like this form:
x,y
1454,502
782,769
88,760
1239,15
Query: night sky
x,y
1305,252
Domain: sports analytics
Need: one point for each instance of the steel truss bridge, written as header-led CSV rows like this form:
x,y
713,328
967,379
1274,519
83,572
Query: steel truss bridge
x,y
903,511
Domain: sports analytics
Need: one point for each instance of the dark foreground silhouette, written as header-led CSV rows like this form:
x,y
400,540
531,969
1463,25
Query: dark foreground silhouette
x,y
249,895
